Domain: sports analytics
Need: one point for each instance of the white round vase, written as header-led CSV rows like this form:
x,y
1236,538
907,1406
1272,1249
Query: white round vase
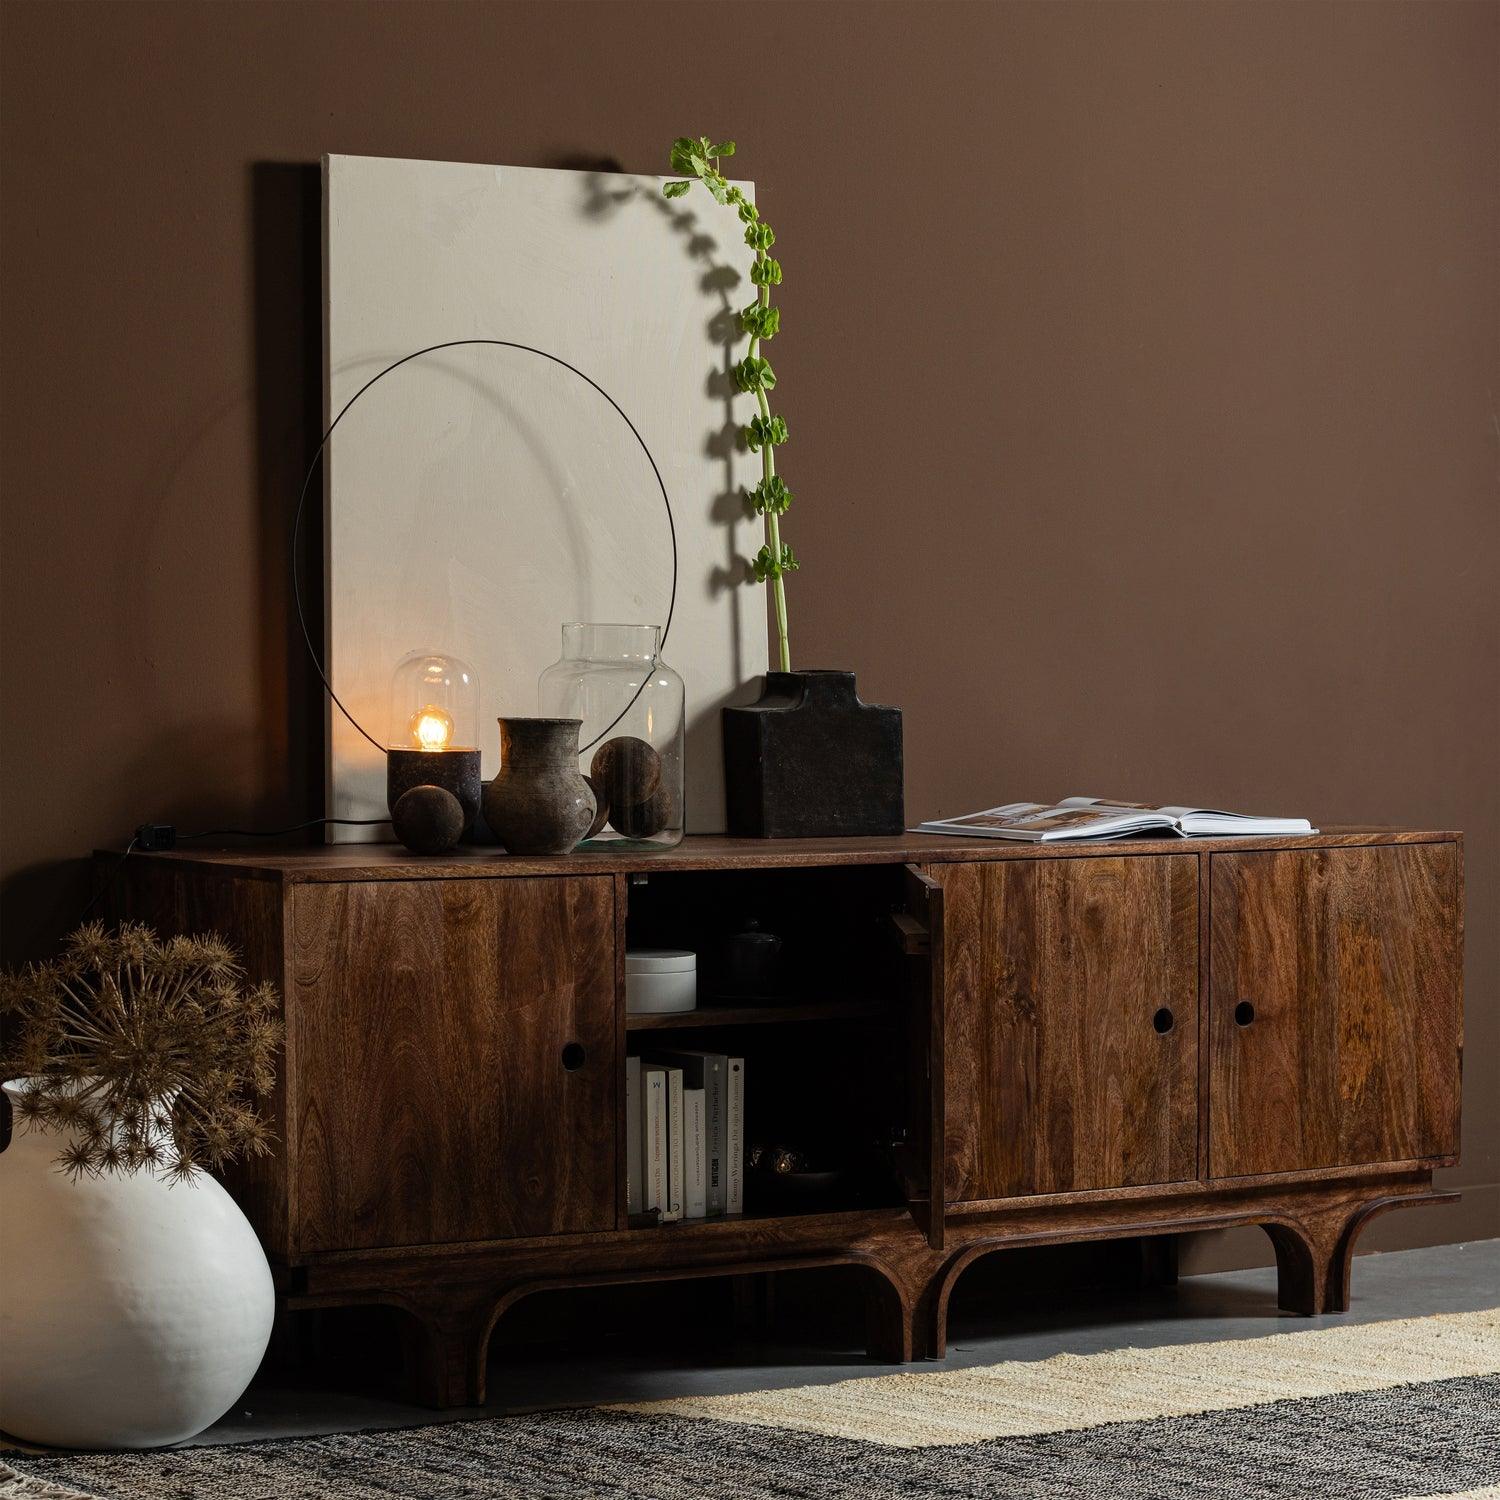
x,y
133,1311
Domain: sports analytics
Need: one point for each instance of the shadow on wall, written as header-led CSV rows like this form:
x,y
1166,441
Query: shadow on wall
x,y
287,218
607,193
727,508
267,772
45,901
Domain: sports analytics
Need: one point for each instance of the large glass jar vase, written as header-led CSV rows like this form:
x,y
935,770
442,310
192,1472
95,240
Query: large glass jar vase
x,y
612,677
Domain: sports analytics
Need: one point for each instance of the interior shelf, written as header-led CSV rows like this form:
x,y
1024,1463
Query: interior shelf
x,y
759,1015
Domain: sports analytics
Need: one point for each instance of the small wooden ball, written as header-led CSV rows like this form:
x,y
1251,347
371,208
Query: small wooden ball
x,y
642,820
428,819
601,805
629,768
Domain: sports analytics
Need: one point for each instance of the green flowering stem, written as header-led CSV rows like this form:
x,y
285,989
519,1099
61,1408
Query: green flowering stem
x,y
773,521
699,159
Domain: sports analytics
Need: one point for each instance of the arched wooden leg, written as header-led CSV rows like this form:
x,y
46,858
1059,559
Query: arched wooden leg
x,y
1340,1261
1313,1260
890,1334
930,1320
1301,1271
449,1337
938,1294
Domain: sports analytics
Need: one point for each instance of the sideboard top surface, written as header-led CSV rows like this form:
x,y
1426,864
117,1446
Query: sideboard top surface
x,y
348,862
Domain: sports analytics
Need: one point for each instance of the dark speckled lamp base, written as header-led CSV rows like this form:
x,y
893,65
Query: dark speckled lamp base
x,y
456,771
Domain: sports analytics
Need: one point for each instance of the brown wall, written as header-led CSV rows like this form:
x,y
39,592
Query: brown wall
x,y
1141,363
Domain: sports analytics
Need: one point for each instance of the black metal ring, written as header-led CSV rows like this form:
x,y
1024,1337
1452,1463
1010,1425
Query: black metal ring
x,y
317,458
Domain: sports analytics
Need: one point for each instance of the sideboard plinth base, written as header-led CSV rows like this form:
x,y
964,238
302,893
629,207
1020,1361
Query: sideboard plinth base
x,y
455,1295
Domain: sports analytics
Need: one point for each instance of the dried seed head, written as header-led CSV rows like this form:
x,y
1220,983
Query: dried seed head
x,y
136,1042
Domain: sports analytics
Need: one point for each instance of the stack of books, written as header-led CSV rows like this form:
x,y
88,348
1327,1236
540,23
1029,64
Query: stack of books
x,y
685,1134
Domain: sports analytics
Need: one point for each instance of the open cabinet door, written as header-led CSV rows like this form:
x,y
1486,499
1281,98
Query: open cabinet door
x,y
921,925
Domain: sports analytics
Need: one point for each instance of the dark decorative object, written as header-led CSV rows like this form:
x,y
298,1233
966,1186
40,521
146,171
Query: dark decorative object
x,y
644,820
453,771
539,803
629,768
428,819
750,963
787,1175
809,760
640,797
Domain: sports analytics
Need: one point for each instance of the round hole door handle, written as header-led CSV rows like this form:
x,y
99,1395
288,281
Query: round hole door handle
x,y
573,1056
1163,1021
1244,1013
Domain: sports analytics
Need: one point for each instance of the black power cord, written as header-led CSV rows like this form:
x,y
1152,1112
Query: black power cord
x,y
107,884
153,836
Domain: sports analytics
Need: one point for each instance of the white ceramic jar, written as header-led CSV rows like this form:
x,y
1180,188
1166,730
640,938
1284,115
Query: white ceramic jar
x,y
660,981
133,1311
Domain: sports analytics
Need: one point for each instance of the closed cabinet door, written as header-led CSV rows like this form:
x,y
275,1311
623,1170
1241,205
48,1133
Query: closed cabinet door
x,y
1334,1008
1070,1024
451,1055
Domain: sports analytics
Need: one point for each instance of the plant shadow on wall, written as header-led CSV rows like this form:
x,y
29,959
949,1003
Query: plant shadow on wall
x,y
608,192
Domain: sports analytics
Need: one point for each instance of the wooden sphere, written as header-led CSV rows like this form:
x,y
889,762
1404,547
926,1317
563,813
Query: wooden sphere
x,y
643,820
428,819
601,805
630,770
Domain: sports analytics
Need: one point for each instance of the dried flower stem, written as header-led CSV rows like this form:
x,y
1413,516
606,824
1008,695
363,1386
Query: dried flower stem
x,y
145,1053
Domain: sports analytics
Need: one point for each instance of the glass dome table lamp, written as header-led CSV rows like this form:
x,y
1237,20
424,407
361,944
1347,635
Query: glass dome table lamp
x,y
433,737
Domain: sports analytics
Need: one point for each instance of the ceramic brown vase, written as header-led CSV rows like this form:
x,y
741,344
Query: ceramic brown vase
x,y
539,803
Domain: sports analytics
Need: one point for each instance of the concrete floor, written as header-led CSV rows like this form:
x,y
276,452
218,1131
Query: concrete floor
x,y
1230,1305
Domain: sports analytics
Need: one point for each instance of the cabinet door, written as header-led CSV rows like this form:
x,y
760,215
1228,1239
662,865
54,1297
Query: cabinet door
x,y
1335,1028
921,1158
452,1055
1071,1029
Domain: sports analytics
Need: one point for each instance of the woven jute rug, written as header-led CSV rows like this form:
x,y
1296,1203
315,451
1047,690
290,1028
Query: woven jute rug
x,y
1377,1411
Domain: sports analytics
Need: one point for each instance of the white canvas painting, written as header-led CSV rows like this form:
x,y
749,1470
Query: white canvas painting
x,y
479,498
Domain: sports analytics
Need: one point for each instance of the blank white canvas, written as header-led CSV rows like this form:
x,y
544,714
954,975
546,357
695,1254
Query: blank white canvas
x,y
479,498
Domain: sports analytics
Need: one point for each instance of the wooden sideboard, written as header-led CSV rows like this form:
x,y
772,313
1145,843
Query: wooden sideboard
x,y
1142,1038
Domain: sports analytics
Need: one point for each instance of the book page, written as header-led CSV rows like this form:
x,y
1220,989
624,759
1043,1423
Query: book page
x,y
1038,822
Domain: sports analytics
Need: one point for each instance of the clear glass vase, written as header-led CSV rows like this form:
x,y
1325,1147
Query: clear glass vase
x,y
612,677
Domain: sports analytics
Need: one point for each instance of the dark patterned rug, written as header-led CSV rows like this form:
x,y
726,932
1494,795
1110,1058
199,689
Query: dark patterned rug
x,y
1379,1411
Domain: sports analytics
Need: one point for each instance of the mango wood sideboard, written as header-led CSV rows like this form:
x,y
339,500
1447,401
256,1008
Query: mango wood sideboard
x,y
1143,1038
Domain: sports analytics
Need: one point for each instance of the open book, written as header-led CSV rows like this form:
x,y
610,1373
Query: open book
x,y
1100,818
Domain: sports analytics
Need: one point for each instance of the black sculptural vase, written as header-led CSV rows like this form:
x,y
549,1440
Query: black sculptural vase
x,y
809,760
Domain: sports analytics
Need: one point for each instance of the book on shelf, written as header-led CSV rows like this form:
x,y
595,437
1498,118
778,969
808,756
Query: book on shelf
x,y
633,1135
672,1209
709,1071
734,1176
1102,818
695,1154
654,1187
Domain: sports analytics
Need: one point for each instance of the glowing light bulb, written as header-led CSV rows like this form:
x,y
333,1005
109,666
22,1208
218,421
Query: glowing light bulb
x,y
430,728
